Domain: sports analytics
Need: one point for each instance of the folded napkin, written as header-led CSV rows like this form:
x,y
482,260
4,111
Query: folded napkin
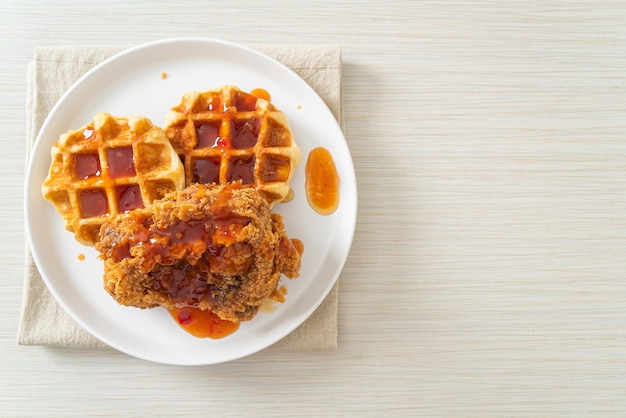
x,y
51,73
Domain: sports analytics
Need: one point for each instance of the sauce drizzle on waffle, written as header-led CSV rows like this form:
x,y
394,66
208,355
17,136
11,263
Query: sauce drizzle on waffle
x,y
228,135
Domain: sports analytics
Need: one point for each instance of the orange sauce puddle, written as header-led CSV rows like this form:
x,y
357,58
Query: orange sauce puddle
x,y
322,181
202,324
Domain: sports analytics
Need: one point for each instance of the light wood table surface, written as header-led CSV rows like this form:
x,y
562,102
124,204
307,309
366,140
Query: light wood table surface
x,y
488,271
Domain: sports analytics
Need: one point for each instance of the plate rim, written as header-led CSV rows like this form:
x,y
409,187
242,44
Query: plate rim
x,y
98,68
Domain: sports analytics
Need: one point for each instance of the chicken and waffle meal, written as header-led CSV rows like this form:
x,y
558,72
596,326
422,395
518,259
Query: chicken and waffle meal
x,y
181,216
227,135
110,166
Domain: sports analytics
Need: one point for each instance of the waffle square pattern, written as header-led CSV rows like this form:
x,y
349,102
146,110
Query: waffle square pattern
x,y
110,166
227,135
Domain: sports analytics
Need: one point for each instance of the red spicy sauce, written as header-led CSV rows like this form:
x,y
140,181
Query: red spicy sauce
x,y
129,197
121,162
206,170
245,102
93,202
202,324
207,238
208,135
241,168
86,165
245,133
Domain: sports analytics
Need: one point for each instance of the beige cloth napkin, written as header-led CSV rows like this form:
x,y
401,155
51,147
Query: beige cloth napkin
x,y
51,73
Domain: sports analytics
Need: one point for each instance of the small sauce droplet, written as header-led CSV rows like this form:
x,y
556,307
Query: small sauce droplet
x,y
322,181
163,76
299,107
261,94
81,257
202,324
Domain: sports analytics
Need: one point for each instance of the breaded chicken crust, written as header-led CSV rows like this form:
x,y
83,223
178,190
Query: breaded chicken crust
x,y
209,247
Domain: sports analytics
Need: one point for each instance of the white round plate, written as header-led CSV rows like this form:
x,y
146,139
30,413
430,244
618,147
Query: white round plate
x,y
130,83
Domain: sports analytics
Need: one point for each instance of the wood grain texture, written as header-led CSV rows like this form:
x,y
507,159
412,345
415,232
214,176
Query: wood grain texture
x,y
487,276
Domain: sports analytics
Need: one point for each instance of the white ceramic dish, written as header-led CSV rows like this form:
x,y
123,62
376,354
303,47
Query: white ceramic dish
x,y
131,83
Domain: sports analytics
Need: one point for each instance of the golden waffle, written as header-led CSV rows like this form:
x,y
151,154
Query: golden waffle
x,y
109,166
226,135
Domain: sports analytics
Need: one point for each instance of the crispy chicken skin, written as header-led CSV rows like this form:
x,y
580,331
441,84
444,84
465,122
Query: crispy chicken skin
x,y
209,247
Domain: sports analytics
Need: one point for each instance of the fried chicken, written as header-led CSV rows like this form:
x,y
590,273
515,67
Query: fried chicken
x,y
209,247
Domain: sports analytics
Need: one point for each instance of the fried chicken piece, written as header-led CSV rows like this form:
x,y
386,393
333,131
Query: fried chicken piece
x,y
209,247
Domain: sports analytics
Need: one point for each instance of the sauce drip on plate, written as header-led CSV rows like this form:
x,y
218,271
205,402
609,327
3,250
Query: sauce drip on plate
x,y
322,181
202,324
